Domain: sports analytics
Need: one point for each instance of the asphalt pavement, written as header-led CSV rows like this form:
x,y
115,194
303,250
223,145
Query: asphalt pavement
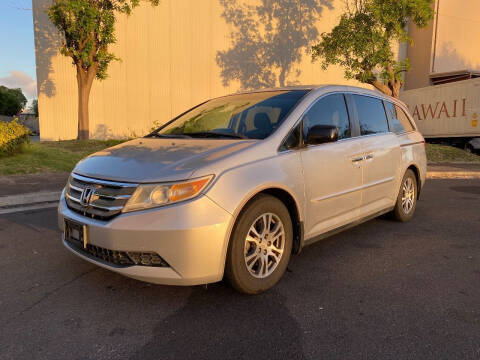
x,y
32,183
381,290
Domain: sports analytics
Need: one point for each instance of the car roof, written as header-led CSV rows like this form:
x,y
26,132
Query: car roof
x,y
332,87
328,88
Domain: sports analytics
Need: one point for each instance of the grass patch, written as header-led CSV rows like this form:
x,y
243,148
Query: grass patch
x,y
445,153
51,156
54,156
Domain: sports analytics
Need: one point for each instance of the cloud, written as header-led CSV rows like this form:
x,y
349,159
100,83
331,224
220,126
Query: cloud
x,y
19,79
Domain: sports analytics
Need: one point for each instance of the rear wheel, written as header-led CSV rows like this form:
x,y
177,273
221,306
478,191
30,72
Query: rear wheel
x,y
260,246
407,198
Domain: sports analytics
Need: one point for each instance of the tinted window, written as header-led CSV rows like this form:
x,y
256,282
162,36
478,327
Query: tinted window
x,y
330,110
293,140
253,115
371,115
403,119
399,119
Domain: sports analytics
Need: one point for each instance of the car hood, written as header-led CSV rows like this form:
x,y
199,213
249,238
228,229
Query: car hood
x,y
155,160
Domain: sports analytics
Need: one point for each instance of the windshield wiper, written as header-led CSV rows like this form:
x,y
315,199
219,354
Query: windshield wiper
x,y
170,136
210,134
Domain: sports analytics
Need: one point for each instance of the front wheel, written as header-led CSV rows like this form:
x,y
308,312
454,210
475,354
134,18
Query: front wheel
x,y
407,198
260,246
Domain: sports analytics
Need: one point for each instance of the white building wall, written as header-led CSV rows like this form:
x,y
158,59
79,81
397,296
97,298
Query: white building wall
x,y
169,63
457,44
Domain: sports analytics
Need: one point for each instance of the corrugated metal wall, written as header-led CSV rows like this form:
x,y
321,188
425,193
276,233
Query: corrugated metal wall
x,y
169,63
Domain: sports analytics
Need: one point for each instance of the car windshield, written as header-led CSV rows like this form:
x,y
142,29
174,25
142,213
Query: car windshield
x,y
250,116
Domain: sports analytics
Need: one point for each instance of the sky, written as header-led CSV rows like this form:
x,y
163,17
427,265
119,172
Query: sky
x,y
17,51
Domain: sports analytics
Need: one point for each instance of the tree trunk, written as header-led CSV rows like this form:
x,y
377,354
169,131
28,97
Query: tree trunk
x,y
392,89
281,77
382,87
393,83
84,82
396,89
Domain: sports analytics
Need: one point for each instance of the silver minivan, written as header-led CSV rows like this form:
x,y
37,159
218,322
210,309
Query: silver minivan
x,y
234,186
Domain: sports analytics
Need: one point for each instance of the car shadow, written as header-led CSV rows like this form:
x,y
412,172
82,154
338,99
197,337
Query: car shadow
x,y
218,323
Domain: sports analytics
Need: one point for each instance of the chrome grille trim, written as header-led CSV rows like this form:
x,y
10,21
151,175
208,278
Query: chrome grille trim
x,y
116,197
70,197
109,198
104,182
113,197
75,188
106,208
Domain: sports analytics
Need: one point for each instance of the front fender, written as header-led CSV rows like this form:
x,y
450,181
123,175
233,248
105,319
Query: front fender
x,y
235,187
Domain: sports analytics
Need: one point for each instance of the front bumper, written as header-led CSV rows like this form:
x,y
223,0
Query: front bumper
x,y
192,237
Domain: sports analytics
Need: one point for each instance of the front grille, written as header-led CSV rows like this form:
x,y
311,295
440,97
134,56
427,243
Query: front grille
x,y
119,258
107,199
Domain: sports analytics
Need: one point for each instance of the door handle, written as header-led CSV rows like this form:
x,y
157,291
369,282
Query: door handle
x,y
369,157
357,160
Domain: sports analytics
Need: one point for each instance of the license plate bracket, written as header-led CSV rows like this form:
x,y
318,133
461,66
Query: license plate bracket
x,y
75,233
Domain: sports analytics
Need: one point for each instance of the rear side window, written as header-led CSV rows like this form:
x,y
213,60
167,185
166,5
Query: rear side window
x,y
371,115
330,110
403,119
399,119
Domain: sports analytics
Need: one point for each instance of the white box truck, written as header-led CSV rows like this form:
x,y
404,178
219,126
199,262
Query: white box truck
x,y
448,113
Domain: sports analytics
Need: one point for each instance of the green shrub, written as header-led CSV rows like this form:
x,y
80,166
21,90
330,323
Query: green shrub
x,y
12,136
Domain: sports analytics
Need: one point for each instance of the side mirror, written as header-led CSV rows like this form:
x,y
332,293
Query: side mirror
x,y
320,134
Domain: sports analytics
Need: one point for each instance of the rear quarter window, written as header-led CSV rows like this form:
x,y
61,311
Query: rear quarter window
x,y
403,119
398,119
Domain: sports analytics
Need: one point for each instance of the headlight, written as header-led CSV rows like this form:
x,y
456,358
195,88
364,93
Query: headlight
x,y
153,195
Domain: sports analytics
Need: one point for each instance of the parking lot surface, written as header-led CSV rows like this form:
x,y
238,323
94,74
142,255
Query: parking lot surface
x,y
382,290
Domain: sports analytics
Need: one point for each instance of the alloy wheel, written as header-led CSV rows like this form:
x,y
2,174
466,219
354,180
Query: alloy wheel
x,y
408,195
264,245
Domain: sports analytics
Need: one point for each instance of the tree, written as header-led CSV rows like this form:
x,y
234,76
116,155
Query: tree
x,y
34,107
88,28
362,41
12,101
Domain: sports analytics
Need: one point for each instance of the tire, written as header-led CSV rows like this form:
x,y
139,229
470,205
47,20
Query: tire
x,y
404,211
254,251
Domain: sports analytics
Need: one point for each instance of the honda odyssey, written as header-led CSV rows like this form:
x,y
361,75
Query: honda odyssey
x,y
234,186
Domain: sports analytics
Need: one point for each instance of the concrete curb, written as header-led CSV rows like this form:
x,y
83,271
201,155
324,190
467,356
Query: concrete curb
x,y
453,175
15,209
29,198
